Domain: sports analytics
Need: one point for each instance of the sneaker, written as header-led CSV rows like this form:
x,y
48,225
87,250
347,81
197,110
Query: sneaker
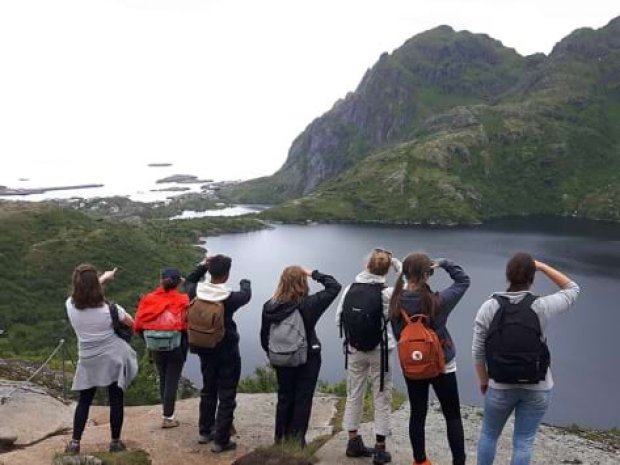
x,y
356,448
73,447
218,448
381,456
205,438
169,423
116,445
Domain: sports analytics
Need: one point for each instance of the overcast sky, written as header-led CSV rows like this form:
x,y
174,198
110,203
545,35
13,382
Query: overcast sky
x,y
226,84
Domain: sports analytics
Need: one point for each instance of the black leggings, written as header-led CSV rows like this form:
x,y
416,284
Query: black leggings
x,y
169,367
295,392
447,392
115,395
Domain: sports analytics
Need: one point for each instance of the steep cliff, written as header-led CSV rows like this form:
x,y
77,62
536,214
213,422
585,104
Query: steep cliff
x,y
454,127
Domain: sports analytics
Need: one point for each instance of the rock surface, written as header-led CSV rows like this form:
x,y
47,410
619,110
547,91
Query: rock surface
x,y
254,420
30,414
553,445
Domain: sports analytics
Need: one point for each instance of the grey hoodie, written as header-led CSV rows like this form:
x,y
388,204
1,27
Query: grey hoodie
x,y
546,308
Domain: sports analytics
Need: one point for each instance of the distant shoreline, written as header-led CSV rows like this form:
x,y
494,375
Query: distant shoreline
x,y
7,191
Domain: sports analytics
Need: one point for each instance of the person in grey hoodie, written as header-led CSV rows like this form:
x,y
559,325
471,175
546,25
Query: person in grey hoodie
x,y
220,366
528,401
367,366
413,296
296,385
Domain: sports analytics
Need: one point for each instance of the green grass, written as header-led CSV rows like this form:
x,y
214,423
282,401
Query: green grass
x,y
608,438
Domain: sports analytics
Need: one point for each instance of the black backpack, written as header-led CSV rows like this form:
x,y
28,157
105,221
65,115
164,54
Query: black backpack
x,y
516,351
362,323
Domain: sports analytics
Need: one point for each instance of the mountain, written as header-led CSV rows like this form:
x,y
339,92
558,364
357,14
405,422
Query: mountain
x,y
455,127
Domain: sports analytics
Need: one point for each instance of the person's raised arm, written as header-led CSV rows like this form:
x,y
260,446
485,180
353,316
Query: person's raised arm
x,y
450,296
558,278
317,303
242,296
560,301
107,276
198,273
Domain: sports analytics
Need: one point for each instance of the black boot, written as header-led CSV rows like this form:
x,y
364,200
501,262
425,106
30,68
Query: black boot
x,y
356,448
381,456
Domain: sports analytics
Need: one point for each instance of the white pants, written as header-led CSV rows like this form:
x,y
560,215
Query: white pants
x,y
365,366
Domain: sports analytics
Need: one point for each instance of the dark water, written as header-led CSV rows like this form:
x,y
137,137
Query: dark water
x,y
584,342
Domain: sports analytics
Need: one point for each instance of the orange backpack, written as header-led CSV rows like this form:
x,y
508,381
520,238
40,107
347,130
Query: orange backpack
x,y
419,349
205,323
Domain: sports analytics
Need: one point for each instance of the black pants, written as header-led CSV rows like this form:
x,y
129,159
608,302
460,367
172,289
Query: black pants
x,y
295,392
221,370
115,396
169,366
446,389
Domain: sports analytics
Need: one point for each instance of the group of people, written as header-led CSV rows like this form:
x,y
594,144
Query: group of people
x,y
375,320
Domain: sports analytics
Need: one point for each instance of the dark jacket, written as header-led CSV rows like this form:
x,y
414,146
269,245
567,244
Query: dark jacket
x,y
448,298
232,303
311,309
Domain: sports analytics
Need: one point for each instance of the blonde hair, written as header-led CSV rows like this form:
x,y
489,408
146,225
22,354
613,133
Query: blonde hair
x,y
379,262
293,286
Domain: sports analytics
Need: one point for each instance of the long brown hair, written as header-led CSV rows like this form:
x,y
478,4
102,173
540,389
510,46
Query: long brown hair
x,y
293,286
87,291
416,270
520,272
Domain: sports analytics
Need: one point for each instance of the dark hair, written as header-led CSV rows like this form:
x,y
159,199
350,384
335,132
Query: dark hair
x,y
416,269
169,284
219,266
379,262
87,291
520,272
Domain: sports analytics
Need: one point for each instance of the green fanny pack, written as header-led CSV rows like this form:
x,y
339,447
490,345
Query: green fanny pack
x,y
162,341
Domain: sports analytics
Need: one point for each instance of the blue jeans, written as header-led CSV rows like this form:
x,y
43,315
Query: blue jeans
x,y
529,407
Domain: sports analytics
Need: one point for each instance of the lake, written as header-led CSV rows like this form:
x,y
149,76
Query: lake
x,y
583,342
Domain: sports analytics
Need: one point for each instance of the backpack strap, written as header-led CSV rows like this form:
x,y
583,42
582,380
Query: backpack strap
x,y
113,314
504,303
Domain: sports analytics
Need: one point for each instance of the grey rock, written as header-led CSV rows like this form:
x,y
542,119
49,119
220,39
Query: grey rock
x,y
27,402
553,445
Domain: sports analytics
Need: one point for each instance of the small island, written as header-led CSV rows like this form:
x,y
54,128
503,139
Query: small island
x,y
183,179
159,165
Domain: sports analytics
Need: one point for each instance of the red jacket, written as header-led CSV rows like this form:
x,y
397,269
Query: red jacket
x,y
162,311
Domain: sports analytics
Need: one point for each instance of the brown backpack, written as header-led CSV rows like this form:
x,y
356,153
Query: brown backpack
x,y
205,323
419,349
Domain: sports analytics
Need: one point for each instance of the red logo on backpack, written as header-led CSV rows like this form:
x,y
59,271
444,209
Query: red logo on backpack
x,y
419,349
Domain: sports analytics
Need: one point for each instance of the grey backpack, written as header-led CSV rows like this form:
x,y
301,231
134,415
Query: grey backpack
x,y
288,345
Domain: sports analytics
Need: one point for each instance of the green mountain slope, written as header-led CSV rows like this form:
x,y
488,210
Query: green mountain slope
x,y
40,245
535,135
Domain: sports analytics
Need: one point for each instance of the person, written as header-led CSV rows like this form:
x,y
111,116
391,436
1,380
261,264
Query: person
x,y
296,384
104,359
162,320
369,363
412,295
221,365
528,401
